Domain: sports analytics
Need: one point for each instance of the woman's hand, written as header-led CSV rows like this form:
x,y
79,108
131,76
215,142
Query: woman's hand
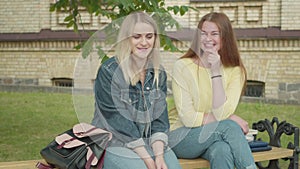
x,y
214,59
150,163
241,122
145,156
158,149
160,162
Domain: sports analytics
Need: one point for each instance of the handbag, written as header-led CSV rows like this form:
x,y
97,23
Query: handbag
x,y
81,147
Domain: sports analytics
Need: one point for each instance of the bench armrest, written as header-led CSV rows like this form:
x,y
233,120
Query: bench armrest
x,y
274,140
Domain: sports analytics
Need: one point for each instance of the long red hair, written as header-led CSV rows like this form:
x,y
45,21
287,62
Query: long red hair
x,y
229,52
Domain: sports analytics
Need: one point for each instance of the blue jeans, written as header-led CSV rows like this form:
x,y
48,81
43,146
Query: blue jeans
x,y
222,143
124,158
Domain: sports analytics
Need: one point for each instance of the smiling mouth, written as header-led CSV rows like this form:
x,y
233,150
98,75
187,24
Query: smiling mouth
x,y
209,45
142,49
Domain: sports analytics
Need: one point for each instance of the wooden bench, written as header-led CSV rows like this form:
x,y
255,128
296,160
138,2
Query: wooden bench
x,y
275,153
30,164
278,152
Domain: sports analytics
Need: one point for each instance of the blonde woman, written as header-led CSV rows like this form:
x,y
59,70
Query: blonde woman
x,y
130,94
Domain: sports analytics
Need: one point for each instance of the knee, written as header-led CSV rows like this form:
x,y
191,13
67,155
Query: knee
x,y
220,156
230,124
221,151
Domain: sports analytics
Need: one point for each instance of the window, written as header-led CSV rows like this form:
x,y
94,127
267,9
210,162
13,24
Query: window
x,y
255,88
62,82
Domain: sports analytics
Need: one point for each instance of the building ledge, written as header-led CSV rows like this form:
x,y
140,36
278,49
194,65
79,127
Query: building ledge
x,y
183,35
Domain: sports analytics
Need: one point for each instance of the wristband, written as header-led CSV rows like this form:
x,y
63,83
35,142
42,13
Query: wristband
x,y
216,76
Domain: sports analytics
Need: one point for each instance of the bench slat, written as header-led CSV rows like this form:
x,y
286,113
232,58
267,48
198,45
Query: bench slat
x,y
30,164
275,153
193,163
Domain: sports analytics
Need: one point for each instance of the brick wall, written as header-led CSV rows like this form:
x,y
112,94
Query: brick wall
x,y
23,15
274,63
290,17
27,64
272,60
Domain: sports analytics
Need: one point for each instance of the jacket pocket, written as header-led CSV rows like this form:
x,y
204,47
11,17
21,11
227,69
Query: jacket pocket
x,y
155,95
129,97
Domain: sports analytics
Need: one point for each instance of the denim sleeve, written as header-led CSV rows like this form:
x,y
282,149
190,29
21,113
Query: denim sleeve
x,y
160,126
112,109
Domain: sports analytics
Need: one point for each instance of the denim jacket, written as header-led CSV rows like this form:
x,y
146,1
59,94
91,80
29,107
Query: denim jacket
x,y
136,115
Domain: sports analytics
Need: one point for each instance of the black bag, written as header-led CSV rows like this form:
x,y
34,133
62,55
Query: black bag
x,y
81,147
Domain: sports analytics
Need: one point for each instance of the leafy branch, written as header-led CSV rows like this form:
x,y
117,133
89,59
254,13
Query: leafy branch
x,y
116,9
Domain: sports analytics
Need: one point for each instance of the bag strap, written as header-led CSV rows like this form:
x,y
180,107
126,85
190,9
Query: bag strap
x,y
40,165
86,132
101,160
89,161
65,142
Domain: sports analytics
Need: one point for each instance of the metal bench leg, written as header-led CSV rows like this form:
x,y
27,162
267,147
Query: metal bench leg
x,y
274,136
296,149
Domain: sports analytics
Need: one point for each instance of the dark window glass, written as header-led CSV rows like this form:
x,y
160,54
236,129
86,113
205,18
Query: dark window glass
x,y
255,89
62,82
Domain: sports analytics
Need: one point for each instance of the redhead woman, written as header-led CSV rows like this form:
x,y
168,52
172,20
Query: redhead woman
x,y
207,84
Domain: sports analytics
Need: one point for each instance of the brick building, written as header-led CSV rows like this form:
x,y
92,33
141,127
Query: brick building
x,y
36,48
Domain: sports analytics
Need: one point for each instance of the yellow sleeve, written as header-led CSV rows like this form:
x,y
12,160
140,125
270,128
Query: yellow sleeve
x,y
181,79
233,85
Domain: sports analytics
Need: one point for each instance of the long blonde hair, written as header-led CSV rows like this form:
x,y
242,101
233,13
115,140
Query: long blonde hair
x,y
123,48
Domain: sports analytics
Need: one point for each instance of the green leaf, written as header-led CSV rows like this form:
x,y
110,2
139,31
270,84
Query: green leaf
x,y
176,9
68,18
169,8
100,52
183,10
104,58
86,49
78,47
70,24
162,3
52,7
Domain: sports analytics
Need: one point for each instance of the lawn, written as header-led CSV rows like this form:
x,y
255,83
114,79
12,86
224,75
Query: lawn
x,y
29,121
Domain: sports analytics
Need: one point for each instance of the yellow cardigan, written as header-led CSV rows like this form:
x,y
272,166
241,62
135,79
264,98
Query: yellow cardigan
x,y
192,91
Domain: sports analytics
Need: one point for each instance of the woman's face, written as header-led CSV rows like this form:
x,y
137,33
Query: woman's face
x,y
142,40
210,37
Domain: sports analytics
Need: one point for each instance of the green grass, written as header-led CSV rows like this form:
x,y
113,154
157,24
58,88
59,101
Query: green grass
x,y
29,121
259,111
